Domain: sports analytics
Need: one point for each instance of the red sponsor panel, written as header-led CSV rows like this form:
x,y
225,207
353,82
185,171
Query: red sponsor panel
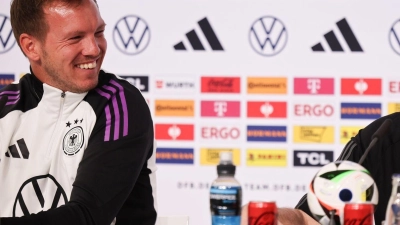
x,y
267,109
220,108
314,86
220,84
360,86
182,132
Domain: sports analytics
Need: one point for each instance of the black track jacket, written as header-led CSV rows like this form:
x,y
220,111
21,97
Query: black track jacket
x,y
382,161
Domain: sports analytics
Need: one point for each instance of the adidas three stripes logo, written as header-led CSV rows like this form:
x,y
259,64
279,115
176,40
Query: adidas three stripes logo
x,y
334,43
195,41
13,150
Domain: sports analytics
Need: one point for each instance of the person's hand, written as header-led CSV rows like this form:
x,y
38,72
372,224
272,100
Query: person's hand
x,y
286,216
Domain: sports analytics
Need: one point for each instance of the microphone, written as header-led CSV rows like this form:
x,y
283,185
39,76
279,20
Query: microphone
x,y
382,130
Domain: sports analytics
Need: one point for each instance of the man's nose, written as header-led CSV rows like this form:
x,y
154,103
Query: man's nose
x,y
91,47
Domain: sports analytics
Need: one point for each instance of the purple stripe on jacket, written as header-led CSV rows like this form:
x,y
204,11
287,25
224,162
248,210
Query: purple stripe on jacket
x,y
116,111
124,106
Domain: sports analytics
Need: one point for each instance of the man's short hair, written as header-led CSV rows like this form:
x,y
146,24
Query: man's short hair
x,y
27,16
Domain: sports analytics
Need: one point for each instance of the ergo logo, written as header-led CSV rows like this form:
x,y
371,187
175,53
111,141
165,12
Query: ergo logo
x,y
222,132
313,110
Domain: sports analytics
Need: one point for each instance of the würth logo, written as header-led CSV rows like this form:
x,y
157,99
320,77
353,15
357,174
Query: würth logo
x,y
268,36
14,150
195,41
334,43
7,40
131,35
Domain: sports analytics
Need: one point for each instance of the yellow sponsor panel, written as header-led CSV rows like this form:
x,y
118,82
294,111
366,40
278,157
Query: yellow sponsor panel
x,y
210,156
346,133
313,134
267,85
174,108
260,157
393,107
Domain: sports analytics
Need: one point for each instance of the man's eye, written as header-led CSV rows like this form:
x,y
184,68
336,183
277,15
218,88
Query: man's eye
x,y
100,33
76,37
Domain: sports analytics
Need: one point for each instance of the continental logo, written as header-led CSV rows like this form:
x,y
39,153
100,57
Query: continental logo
x,y
266,133
261,157
6,79
174,108
360,110
313,134
393,107
175,155
267,85
346,133
210,156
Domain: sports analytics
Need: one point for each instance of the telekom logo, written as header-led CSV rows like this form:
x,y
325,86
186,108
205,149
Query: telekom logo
x,y
313,85
220,108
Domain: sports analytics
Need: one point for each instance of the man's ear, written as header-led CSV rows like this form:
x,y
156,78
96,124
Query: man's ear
x,y
30,46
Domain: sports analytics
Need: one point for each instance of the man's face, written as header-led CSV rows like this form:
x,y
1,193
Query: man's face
x,y
74,47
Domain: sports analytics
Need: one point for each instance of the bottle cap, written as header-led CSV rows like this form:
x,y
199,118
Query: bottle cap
x,y
226,166
225,157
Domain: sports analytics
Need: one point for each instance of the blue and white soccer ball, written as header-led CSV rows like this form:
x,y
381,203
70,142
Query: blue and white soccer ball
x,y
337,183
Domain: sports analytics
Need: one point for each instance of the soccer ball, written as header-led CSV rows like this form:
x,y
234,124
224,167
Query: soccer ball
x,y
337,183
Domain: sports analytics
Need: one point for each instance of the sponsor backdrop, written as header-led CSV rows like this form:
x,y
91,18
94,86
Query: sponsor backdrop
x,y
282,85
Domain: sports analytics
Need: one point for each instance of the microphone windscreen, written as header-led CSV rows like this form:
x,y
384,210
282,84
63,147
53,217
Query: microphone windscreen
x,y
383,129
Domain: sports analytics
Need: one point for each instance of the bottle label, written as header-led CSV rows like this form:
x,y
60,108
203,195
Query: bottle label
x,y
225,203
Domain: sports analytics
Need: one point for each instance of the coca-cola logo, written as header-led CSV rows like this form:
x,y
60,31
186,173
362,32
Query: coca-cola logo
x,y
266,218
226,83
366,220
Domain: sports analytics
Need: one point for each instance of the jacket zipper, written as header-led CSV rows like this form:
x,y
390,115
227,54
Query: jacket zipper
x,y
60,113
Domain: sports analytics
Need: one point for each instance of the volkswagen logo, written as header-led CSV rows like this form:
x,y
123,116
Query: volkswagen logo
x,y
37,194
131,35
394,37
7,40
268,36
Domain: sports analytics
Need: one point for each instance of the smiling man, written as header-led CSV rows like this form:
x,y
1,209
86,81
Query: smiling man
x,y
76,143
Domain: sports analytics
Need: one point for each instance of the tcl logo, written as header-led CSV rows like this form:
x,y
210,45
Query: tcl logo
x,y
140,82
220,133
313,110
312,158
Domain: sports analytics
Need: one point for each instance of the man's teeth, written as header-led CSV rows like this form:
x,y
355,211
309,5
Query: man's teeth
x,y
87,65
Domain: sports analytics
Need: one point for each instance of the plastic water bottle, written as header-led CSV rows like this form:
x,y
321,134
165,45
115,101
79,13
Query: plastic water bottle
x,y
393,207
225,193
